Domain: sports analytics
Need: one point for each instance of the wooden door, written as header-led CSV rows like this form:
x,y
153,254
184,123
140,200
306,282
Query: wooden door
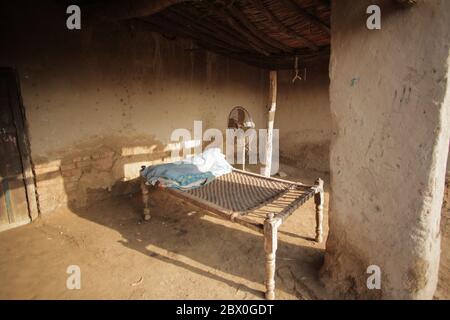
x,y
17,191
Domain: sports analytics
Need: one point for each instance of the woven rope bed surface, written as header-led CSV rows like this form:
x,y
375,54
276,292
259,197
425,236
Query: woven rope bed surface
x,y
240,192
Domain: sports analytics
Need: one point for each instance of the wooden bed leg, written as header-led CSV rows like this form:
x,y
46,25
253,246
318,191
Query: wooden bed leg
x,y
319,199
145,199
270,247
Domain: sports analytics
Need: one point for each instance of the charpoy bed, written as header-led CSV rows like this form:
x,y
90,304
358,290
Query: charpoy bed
x,y
254,201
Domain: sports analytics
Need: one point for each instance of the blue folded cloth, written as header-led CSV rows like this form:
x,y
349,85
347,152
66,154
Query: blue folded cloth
x,y
190,173
177,175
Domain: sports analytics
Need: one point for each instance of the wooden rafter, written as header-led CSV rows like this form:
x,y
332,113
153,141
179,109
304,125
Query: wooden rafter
x,y
242,18
251,59
171,25
286,30
224,28
159,26
210,29
230,28
278,61
291,4
256,43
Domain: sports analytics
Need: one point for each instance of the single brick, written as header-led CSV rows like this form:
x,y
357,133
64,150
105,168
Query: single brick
x,y
69,166
83,164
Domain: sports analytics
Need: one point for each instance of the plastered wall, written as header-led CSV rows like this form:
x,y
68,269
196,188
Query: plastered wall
x,y
304,118
390,111
104,100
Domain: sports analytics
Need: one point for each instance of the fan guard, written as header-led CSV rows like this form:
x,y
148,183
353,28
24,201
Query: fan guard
x,y
239,118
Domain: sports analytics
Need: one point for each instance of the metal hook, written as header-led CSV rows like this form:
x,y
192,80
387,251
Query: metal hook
x,y
296,77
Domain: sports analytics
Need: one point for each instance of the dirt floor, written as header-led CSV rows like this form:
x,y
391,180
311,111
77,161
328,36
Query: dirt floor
x,y
181,253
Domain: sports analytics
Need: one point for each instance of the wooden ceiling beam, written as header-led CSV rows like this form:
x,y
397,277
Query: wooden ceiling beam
x,y
265,62
210,29
202,43
292,5
257,44
202,33
274,62
243,19
222,27
176,28
281,27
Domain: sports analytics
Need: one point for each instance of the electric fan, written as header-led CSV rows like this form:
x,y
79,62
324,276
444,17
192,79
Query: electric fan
x,y
239,118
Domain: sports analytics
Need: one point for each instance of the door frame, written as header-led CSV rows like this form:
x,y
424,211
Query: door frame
x,y
23,144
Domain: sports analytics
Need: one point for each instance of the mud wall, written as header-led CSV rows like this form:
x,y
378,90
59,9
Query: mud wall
x,y
104,100
390,109
443,288
304,119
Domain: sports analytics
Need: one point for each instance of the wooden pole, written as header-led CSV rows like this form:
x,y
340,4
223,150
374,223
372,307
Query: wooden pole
x,y
319,200
270,122
270,248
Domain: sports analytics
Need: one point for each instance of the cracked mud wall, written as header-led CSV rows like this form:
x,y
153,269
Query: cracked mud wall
x,y
104,100
390,111
304,118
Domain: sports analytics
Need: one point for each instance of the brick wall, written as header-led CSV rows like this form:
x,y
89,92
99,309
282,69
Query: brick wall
x,y
78,181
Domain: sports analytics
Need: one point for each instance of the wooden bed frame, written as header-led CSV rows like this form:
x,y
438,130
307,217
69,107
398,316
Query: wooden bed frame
x,y
268,227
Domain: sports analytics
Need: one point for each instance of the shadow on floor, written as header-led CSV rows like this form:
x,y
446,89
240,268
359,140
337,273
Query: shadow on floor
x,y
183,235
